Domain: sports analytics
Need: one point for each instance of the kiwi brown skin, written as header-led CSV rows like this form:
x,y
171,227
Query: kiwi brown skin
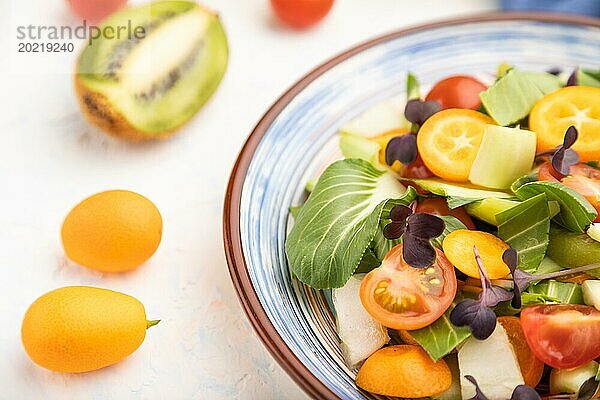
x,y
98,111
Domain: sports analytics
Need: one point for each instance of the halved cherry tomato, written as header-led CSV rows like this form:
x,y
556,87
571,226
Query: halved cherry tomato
x,y
449,141
402,297
439,206
458,91
301,14
532,368
572,105
583,179
563,335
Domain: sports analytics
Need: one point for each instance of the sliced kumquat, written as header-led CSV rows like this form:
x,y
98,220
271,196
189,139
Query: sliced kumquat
x,y
449,140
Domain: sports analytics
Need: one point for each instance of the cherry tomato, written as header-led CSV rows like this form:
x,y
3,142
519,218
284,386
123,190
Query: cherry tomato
x,y
301,14
402,297
95,10
416,169
583,179
439,206
562,335
458,91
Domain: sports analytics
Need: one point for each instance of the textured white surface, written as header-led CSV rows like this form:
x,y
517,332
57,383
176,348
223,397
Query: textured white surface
x,y
50,159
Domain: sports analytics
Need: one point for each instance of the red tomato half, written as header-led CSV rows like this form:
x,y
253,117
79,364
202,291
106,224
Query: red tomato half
x,y
562,335
402,297
583,179
439,206
301,13
458,91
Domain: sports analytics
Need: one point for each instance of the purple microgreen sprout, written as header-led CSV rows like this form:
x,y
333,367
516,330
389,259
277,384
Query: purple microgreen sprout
x,y
478,393
478,314
401,148
416,230
523,279
563,157
588,389
572,81
418,111
554,71
525,392
521,392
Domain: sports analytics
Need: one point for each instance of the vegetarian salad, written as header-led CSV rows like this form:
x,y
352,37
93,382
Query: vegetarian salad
x,y
461,239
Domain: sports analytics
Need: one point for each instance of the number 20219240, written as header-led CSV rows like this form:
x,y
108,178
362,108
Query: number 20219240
x,y
46,47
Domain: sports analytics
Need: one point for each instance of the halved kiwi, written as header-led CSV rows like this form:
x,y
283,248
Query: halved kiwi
x,y
151,78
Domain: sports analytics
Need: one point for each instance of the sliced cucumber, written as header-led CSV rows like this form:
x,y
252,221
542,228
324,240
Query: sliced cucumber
x,y
591,293
379,119
570,380
487,209
358,146
359,333
493,363
469,193
505,154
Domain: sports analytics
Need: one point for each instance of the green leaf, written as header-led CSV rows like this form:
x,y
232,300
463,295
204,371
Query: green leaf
x,y
576,213
339,221
295,210
381,245
511,98
586,77
441,337
558,292
413,89
368,262
525,228
458,194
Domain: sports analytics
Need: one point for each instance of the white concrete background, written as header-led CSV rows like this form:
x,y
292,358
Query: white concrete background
x,y
50,159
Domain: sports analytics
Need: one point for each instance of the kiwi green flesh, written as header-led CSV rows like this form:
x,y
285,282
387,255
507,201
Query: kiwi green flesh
x,y
171,90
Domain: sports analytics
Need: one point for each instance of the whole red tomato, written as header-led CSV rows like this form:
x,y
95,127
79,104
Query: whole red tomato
x,y
95,10
301,14
458,91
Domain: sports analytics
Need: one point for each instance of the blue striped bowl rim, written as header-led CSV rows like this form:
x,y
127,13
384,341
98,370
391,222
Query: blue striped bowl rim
x,y
295,139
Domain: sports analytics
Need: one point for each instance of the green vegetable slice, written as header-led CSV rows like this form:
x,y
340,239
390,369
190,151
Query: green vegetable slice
x,y
339,221
512,97
441,337
458,194
576,213
357,146
525,228
586,77
558,292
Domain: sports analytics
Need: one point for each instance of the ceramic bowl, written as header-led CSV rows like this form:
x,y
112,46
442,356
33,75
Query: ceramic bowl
x,y
297,138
